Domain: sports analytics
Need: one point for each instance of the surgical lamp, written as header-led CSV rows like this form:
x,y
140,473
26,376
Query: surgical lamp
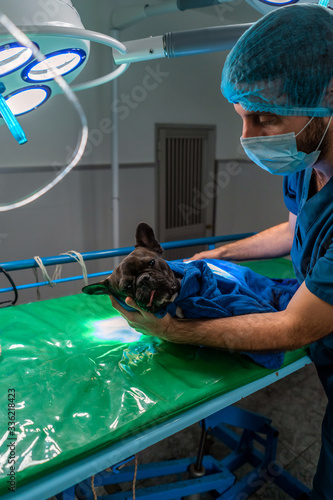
x,y
43,48
56,30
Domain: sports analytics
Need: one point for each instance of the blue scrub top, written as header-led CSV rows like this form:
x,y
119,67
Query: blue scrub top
x,y
312,255
312,250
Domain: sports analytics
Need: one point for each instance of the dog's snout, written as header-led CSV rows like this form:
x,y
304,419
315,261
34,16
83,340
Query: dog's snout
x,y
144,280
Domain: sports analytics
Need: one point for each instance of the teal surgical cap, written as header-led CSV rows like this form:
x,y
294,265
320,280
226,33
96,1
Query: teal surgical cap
x,y
283,64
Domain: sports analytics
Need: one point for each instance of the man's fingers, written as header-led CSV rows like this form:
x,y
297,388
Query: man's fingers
x,y
197,256
130,302
116,304
128,315
119,308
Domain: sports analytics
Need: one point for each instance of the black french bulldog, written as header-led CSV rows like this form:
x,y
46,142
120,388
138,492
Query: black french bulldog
x,y
143,275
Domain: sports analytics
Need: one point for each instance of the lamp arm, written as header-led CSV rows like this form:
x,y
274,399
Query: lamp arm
x,y
124,17
204,40
182,43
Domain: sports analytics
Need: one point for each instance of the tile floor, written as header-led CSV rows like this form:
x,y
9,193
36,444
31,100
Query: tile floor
x,y
296,405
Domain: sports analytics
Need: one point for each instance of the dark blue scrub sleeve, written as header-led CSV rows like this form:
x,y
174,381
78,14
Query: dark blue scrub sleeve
x,y
319,280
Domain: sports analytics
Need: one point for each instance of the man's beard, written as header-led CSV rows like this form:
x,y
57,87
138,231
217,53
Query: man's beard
x,y
309,140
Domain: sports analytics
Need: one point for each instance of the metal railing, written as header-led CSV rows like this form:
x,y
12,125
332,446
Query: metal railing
x,y
103,254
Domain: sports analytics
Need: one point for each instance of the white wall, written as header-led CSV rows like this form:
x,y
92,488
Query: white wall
x,y
249,200
76,215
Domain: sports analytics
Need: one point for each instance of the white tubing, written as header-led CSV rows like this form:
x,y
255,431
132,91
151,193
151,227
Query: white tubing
x,y
115,166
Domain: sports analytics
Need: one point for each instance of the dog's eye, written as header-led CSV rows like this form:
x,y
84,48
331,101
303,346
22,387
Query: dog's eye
x,y
151,263
127,288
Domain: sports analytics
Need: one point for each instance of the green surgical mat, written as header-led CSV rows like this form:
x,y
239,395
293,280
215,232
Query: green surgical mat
x,y
83,380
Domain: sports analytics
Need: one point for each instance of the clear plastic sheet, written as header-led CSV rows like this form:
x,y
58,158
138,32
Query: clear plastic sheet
x,y
82,380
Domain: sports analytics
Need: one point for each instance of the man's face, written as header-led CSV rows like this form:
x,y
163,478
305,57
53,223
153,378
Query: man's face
x,y
256,124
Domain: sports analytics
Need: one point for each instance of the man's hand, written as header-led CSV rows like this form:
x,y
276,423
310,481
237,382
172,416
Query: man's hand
x,y
306,319
146,323
208,254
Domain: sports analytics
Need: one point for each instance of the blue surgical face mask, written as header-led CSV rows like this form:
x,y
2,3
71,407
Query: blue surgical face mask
x,y
278,154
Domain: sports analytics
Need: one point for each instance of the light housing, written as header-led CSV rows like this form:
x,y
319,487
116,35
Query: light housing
x,y
13,57
278,3
65,61
24,100
32,17
266,6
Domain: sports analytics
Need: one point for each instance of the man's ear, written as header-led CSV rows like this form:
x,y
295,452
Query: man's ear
x,y
96,289
145,237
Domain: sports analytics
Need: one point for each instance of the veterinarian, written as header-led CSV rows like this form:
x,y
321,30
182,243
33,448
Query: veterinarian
x,y
279,77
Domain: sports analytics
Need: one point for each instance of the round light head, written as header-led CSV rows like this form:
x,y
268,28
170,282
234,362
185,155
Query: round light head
x,y
12,57
278,3
266,6
64,61
27,99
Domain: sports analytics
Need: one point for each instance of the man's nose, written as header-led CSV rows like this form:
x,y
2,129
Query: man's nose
x,y
249,130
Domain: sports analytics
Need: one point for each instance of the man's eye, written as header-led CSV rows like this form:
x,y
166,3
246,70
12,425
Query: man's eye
x,y
266,120
151,263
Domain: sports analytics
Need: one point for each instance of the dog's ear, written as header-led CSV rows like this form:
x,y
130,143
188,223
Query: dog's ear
x,y
145,237
96,289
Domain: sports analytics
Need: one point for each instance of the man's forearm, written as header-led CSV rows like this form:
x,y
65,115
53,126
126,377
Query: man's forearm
x,y
253,332
273,242
306,319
